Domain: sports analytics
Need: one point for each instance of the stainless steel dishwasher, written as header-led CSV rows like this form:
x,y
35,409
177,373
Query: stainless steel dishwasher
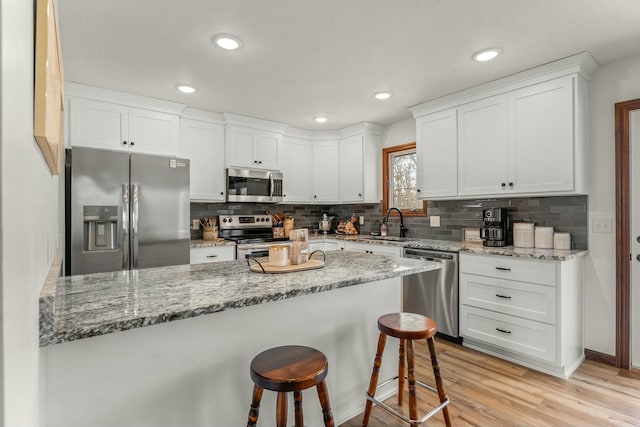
x,y
434,293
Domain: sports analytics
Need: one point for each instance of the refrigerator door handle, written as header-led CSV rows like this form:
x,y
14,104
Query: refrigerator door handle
x,y
125,226
135,189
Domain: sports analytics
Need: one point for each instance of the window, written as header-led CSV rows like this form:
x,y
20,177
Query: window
x,y
400,180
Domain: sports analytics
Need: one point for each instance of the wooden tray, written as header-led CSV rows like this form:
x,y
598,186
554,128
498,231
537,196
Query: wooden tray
x,y
265,267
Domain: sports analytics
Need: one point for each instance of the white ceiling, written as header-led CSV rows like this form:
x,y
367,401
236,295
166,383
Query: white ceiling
x,y
303,58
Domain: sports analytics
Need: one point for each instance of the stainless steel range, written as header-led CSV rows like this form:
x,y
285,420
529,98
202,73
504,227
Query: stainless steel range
x,y
252,233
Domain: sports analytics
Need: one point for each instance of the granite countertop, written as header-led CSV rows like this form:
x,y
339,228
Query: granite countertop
x,y
83,306
470,247
199,243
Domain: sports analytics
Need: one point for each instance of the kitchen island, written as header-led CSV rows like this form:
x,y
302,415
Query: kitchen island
x,y
186,336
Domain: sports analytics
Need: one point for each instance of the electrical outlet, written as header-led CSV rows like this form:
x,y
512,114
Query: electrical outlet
x,y
602,225
434,221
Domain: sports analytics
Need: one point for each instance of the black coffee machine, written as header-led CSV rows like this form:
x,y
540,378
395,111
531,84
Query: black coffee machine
x,y
496,227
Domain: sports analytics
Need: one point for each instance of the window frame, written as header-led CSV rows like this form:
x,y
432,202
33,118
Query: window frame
x,y
386,155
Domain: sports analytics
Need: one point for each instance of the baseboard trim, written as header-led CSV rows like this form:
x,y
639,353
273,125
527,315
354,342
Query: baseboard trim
x,y
596,356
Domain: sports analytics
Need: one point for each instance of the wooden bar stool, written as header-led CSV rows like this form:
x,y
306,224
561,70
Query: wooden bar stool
x,y
407,327
285,369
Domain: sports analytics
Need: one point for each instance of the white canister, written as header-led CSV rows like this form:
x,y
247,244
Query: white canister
x,y
523,235
278,256
544,237
562,241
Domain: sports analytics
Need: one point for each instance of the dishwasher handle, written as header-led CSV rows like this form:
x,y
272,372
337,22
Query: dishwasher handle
x,y
428,255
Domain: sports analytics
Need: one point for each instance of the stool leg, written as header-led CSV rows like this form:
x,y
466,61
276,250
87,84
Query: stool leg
x,y
297,399
413,403
281,410
255,406
436,373
323,395
401,369
374,378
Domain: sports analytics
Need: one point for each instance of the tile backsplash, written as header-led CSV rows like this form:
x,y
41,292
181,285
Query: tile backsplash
x,y
566,214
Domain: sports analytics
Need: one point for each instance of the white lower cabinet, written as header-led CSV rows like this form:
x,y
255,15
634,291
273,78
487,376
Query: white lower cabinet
x,y
527,311
326,245
213,254
373,248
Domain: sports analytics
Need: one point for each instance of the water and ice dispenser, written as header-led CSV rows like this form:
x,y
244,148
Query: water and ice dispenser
x,y
100,228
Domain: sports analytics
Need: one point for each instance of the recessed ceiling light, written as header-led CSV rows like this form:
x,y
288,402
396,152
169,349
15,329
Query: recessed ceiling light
x,y
320,119
486,54
382,95
227,41
186,88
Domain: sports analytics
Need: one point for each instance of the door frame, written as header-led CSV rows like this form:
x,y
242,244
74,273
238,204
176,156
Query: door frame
x,y
623,232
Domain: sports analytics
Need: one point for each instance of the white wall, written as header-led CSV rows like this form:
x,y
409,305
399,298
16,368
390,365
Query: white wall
x,y
397,133
610,83
28,211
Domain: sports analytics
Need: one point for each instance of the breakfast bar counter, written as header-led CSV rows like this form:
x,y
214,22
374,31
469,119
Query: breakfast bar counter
x,y
172,346
84,306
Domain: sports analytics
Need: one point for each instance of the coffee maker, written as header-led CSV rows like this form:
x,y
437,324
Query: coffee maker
x,y
496,227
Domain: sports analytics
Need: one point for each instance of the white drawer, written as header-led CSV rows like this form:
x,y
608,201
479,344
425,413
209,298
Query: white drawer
x,y
326,246
504,267
529,338
212,254
378,249
527,300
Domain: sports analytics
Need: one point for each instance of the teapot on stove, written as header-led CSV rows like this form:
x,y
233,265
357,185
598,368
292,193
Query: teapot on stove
x,y
325,223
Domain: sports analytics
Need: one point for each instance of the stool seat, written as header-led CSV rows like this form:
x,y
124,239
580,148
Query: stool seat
x,y
289,368
407,326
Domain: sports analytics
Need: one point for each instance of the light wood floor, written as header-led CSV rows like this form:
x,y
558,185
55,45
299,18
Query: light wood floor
x,y
486,391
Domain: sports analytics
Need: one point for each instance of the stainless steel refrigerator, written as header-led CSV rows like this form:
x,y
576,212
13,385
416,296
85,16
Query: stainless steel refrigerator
x,y
125,211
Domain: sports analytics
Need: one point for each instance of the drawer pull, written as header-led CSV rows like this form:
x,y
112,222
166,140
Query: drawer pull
x,y
503,296
503,268
504,331
212,256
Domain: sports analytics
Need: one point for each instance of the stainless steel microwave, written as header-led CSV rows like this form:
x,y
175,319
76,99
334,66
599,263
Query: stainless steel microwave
x,y
254,185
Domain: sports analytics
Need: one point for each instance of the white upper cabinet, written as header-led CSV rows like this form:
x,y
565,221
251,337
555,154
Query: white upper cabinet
x,y
483,147
99,124
252,148
203,144
437,154
326,171
524,135
541,137
352,169
295,164
153,132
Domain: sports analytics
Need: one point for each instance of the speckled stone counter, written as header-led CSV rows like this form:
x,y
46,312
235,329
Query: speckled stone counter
x,y
477,248
96,304
199,243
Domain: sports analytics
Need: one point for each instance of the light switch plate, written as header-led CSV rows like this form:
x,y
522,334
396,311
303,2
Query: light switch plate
x,y
602,225
434,221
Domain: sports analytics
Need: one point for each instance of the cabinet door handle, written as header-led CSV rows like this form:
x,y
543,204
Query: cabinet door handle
x,y
124,142
315,197
418,190
504,331
504,184
132,143
503,296
503,268
212,256
222,193
511,184
359,194
259,162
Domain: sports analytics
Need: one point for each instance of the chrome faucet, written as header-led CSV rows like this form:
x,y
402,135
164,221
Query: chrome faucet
x,y
386,219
